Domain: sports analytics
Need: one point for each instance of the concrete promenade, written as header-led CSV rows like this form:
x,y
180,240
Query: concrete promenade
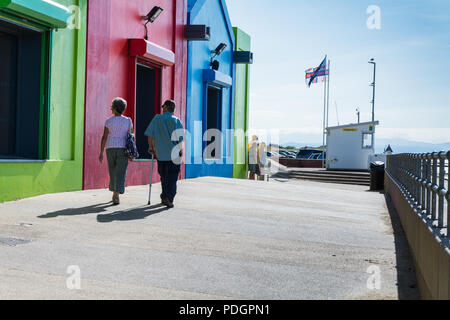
x,y
225,239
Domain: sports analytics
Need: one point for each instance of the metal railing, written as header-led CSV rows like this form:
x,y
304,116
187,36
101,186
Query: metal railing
x,y
423,179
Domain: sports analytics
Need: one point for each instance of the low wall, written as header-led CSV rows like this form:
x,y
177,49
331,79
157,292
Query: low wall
x,y
430,251
300,163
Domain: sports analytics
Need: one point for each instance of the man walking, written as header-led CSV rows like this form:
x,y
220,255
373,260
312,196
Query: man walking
x,y
165,143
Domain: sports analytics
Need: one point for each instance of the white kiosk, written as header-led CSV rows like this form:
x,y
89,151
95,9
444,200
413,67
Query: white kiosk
x,y
350,147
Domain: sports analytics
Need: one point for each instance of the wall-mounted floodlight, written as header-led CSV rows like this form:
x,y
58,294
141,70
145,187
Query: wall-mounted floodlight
x,y
214,63
151,17
219,49
153,14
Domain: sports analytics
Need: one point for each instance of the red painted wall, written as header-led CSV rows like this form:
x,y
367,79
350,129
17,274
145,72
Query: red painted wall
x,y
110,24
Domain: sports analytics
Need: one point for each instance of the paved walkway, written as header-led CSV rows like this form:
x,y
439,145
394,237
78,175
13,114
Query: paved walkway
x,y
225,239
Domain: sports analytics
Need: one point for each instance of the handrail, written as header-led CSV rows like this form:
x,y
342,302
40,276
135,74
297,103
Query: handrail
x,y
423,179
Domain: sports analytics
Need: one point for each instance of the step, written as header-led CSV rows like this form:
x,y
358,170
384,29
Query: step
x,y
311,174
338,181
333,173
330,179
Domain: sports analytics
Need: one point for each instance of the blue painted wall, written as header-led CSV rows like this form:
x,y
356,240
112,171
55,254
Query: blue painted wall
x,y
214,14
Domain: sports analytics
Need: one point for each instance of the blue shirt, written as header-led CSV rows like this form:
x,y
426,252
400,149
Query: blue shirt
x,y
161,130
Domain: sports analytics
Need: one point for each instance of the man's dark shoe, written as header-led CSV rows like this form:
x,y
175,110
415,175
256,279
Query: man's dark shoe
x,y
167,203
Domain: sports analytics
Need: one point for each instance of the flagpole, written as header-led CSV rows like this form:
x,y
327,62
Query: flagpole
x,y
328,104
328,90
324,115
314,76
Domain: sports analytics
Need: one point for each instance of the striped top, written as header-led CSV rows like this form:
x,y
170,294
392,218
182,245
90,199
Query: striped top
x,y
118,128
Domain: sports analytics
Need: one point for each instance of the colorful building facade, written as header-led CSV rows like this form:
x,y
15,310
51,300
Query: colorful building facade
x,y
243,58
122,63
42,63
64,61
210,92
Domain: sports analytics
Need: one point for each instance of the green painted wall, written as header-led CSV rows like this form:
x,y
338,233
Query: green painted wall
x,y
63,171
242,86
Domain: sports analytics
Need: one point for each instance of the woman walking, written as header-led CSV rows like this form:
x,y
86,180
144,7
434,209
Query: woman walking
x,y
262,162
253,166
114,139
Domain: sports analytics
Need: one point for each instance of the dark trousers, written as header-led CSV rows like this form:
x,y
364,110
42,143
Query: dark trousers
x,y
168,172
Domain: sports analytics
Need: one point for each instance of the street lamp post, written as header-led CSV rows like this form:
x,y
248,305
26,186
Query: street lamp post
x,y
372,61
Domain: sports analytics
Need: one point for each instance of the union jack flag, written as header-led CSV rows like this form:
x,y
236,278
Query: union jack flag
x,y
315,75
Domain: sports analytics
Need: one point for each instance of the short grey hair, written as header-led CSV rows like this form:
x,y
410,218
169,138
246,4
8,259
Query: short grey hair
x,y
119,105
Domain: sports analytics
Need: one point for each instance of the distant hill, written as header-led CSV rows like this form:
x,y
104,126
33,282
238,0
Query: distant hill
x,y
301,145
406,146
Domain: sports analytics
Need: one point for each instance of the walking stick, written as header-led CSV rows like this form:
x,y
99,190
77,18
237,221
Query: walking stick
x,y
151,181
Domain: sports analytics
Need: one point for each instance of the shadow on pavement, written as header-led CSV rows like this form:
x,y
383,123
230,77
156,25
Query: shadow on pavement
x,y
279,180
281,174
132,214
406,275
97,208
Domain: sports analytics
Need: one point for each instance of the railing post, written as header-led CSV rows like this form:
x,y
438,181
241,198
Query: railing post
x,y
441,157
415,178
448,195
424,181
412,185
433,185
419,185
406,175
428,185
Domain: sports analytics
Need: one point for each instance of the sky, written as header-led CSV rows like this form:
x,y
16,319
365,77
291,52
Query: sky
x,y
409,40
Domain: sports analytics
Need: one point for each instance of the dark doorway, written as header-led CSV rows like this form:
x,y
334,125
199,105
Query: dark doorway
x,y
214,117
8,91
21,111
146,96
